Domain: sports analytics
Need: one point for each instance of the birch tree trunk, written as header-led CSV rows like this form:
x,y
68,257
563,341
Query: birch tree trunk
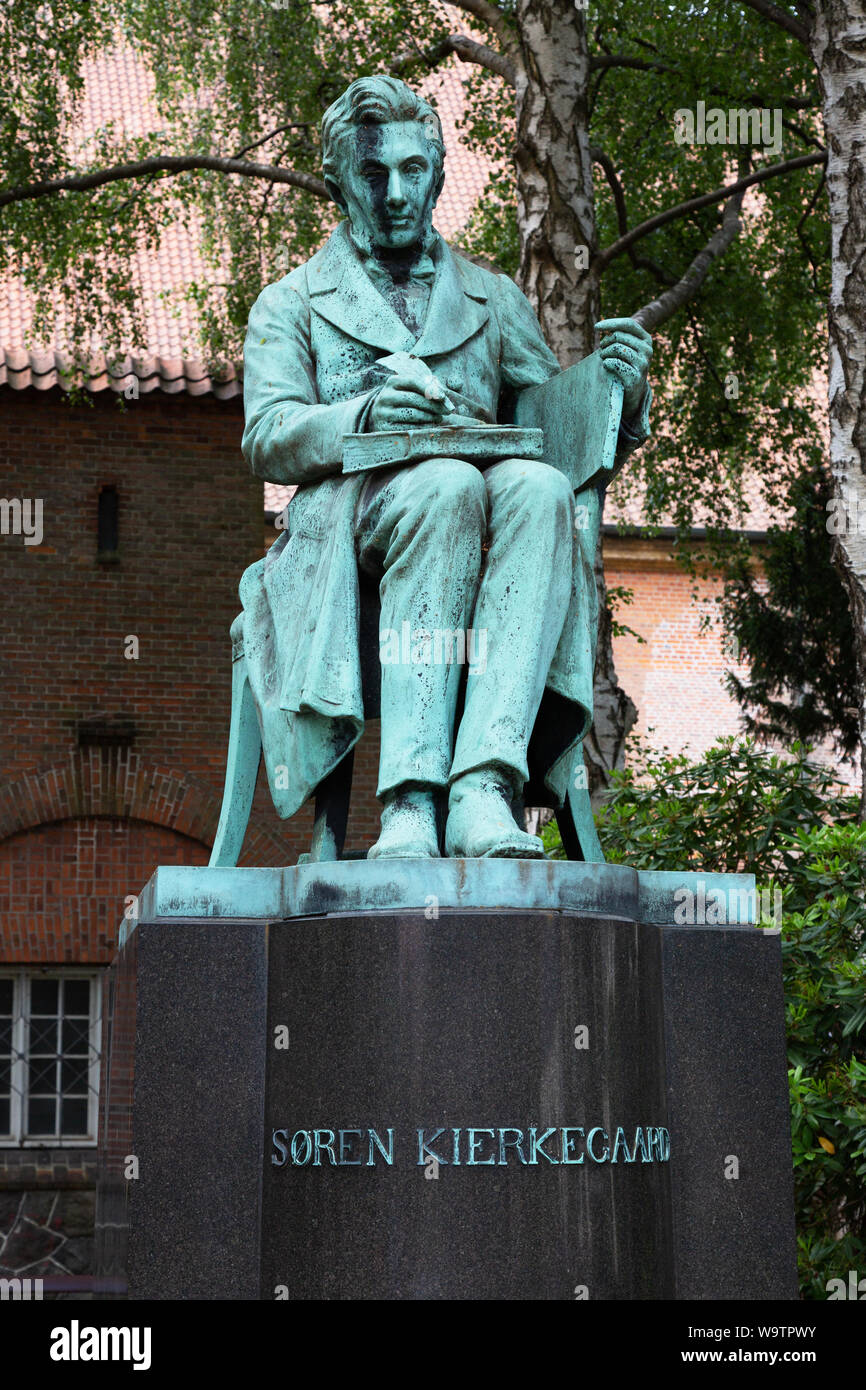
x,y
555,205
556,221
838,40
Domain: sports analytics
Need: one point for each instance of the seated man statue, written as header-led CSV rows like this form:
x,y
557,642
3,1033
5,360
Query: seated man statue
x,y
481,546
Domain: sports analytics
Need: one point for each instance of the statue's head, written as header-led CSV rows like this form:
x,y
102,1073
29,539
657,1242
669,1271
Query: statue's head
x,y
383,161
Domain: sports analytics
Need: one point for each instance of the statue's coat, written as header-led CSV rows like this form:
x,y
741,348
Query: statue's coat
x,y
309,377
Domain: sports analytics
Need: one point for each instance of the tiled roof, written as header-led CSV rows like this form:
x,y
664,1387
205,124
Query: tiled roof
x,y
119,89
139,374
277,497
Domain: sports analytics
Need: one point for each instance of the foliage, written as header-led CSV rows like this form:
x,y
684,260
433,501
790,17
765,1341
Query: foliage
x,y
756,326
620,596
491,232
248,77
732,810
233,78
786,821
796,632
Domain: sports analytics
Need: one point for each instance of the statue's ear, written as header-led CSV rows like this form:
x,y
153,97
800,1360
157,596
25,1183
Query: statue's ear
x,y
336,194
440,184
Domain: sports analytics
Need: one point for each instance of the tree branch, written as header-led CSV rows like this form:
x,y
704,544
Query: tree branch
x,y
800,228
467,49
623,60
651,315
171,164
705,200
605,162
278,130
492,16
781,17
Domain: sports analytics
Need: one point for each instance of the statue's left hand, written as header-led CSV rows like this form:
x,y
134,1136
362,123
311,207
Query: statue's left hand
x,y
626,350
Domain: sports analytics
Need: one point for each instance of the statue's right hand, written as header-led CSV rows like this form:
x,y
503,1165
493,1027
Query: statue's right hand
x,y
401,402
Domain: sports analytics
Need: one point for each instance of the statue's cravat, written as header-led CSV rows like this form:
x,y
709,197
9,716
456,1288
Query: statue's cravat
x,y
407,291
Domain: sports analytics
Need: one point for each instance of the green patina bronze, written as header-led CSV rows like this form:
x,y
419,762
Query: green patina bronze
x,y
378,378
178,893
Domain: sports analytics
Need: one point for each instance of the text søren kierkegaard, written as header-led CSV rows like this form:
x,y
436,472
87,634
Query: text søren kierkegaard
x,y
469,1147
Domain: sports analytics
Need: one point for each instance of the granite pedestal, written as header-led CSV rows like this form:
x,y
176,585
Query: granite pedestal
x,y
448,1080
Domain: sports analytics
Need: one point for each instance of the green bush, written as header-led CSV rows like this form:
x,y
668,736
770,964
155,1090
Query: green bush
x,y
785,819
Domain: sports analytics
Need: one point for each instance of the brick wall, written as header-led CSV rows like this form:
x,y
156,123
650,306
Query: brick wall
x,y
60,898
111,764
676,676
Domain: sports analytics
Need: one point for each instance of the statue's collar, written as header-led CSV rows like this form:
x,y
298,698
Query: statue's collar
x,y
420,265
344,295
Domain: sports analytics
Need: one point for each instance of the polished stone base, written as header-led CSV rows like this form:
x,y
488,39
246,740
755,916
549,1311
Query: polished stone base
x,y
601,1097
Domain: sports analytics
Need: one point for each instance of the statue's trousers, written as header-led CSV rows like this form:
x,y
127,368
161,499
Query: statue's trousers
x,y
446,604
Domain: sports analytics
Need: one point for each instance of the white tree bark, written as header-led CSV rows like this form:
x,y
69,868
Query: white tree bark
x,y
838,41
555,205
557,226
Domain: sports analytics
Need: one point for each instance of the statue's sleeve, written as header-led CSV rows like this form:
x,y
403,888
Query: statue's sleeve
x,y
289,437
526,358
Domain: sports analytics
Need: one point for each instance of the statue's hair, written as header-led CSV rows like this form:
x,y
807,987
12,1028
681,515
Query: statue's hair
x,y
376,101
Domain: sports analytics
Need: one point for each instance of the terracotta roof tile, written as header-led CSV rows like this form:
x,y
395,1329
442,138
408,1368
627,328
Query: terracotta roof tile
x,y
43,369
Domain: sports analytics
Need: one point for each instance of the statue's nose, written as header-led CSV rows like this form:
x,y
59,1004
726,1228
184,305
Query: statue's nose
x,y
395,196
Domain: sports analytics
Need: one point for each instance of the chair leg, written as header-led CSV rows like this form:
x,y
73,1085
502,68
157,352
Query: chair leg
x,y
242,769
567,832
332,812
575,819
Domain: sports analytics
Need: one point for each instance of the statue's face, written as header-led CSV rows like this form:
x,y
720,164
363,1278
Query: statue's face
x,y
389,184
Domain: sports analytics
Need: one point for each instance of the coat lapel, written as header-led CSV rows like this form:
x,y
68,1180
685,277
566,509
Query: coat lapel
x,y
457,308
344,295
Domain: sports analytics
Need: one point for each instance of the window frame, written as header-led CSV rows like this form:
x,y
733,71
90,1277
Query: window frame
x,y
22,980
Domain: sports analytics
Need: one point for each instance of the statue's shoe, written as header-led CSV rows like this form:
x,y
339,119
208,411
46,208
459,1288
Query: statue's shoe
x,y
408,827
480,824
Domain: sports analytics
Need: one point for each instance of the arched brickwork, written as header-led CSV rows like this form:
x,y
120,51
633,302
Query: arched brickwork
x,y
118,784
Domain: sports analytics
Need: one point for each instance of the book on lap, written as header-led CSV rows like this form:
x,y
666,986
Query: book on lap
x,y
475,443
